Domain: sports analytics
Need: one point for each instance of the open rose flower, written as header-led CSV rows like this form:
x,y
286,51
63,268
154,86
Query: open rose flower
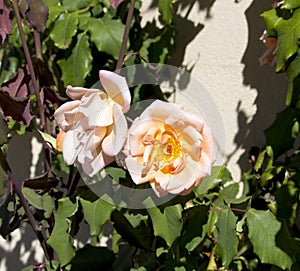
x,y
94,123
169,148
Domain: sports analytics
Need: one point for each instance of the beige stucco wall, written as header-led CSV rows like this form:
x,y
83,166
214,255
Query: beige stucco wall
x,y
225,55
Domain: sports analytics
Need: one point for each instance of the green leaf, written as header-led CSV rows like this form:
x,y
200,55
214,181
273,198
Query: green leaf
x,y
212,220
33,198
91,258
96,214
168,224
194,219
48,205
127,231
288,32
3,129
65,27
78,65
166,9
107,34
44,202
293,74
228,241
291,4
49,139
60,239
263,228
271,19
116,173
280,134
54,13
72,5
207,182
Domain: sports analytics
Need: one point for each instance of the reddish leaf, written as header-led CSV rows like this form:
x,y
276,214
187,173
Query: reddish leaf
x,y
18,85
43,73
5,22
17,108
42,182
35,13
51,96
115,3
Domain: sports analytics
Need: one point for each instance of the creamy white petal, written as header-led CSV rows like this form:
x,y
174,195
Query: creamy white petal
x,y
97,110
116,88
59,114
113,143
71,147
76,93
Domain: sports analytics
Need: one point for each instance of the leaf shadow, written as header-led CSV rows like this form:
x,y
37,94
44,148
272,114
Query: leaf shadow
x,y
271,88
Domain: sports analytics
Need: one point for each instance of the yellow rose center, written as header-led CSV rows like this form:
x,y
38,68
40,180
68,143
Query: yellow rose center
x,y
165,153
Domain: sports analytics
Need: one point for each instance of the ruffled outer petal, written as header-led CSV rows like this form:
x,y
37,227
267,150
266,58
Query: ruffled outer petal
x,y
60,117
116,88
71,147
113,143
76,93
137,170
97,110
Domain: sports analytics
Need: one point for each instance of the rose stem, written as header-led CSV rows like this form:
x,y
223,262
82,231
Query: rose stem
x,y
37,44
30,65
125,36
25,205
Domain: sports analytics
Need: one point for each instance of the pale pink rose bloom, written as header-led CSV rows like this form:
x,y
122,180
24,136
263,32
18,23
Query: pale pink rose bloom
x,y
94,123
169,148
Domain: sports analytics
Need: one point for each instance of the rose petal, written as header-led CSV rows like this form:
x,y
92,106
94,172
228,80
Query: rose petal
x,y
196,120
97,110
70,147
59,114
76,93
177,183
158,190
113,143
136,170
116,87
191,142
92,144
160,110
209,145
137,132
92,167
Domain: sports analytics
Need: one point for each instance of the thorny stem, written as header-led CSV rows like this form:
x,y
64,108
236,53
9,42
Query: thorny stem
x,y
125,36
30,65
25,205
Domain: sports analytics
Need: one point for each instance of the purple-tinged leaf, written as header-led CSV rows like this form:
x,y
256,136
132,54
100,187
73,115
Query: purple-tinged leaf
x,y
17,108
5,22
43,182
18,85
51,96
115,3
35,13
43,73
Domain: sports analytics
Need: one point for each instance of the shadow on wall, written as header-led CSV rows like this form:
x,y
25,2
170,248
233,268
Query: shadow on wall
x,y
271,87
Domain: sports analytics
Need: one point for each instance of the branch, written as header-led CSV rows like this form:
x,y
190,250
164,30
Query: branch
x,y
24,203
30,65
125,36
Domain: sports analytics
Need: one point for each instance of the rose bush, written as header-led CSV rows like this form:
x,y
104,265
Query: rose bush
x,y
169,148
94,123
